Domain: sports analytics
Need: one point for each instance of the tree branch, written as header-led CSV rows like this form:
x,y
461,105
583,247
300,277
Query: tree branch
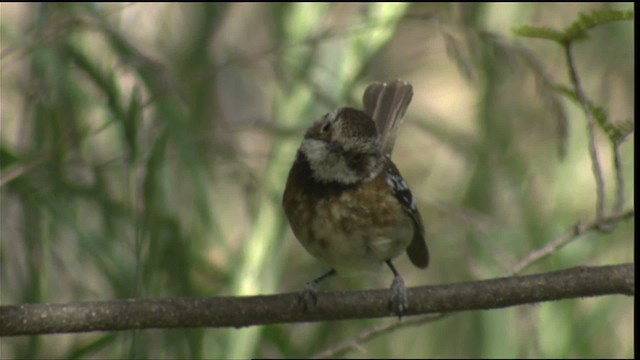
x,y
221,311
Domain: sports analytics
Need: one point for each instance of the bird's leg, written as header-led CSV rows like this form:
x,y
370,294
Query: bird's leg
x,y
397,292
308,296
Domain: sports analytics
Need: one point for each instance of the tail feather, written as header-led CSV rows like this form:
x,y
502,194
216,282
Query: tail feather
x,y
386,103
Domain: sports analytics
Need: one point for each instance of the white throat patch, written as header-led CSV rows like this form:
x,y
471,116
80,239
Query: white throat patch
x,y
327,166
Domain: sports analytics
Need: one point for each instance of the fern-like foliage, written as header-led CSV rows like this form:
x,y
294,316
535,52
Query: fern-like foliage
x,y
578,29
540,32
617,133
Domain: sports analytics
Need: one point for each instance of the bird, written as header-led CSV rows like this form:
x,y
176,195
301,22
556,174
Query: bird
x,y
346,201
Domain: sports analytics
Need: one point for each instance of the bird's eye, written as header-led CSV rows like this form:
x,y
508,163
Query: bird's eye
x,y
326,127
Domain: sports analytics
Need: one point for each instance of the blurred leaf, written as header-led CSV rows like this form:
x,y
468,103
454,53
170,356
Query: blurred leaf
x,y
615,132
578,30
7,158
540,32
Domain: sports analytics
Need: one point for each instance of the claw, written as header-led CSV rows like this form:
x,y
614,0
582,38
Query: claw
x,y
397,293
398,296
308,296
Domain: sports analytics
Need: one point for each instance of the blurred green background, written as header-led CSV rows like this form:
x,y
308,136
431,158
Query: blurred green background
x,y
144,150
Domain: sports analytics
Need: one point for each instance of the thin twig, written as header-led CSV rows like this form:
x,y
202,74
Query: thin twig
x,y
593,152
617,163
15,171
372,333
576,231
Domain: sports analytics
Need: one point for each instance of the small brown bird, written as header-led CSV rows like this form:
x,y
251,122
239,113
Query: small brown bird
x,y
346,201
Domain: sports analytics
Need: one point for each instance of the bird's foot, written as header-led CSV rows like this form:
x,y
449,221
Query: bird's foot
x,y
308,296
398,296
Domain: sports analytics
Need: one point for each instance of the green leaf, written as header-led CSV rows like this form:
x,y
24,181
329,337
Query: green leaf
x,y
7,157
615,133
578,29
540,32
